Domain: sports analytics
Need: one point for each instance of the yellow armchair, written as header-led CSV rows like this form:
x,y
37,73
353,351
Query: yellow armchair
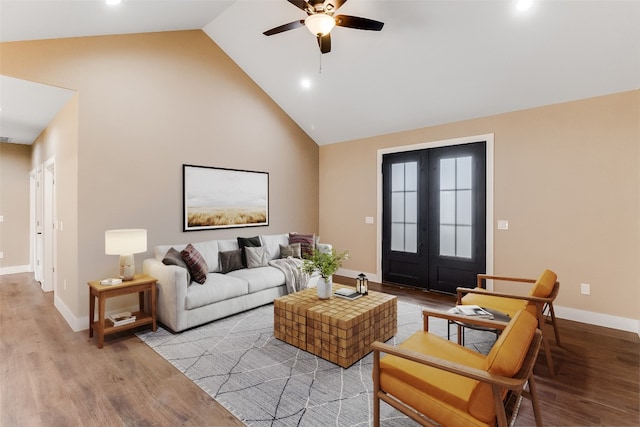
x,y
436,381
541,296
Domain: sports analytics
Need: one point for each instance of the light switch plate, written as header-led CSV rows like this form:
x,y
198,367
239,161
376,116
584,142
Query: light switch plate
x,y
1,218
368,220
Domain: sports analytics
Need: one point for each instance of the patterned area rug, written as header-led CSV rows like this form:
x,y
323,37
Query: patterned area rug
x,y
265,382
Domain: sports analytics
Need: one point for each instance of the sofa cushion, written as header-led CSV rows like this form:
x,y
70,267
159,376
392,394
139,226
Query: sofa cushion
x,y
244,242
173,257
196,265
290,251
272,244
260,278
217,287
228,245
307,242
256,257
209,251
230,261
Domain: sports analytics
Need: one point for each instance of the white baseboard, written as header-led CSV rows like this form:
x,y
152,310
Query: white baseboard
x,y
598,319
15,269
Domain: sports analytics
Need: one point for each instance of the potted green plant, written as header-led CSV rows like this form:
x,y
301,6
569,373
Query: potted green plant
x,y
326,264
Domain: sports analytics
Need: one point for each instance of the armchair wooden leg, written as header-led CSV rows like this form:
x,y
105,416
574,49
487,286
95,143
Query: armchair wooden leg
x,y
545,341
555,324
376,388
533,396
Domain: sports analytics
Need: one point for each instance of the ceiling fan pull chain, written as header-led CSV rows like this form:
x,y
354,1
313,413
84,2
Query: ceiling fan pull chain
x,y
320,68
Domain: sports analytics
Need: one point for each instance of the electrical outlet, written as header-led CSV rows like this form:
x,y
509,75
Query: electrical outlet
x,y
585,289
503,224
368,220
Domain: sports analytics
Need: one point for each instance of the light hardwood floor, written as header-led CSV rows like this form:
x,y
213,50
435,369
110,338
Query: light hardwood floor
x,y
51,376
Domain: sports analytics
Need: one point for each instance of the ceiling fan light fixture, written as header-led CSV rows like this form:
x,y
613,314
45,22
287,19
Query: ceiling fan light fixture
x,y
320,24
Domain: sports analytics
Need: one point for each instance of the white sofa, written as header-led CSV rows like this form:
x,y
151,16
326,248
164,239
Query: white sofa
x,y
182,305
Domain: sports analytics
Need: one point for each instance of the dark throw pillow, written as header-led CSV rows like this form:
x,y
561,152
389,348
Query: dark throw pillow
x,y
231,260
173,257
251,242
307,243
290,251
196,265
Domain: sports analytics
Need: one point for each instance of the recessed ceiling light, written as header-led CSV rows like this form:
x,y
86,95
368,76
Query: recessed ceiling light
x,y
113,2
305,83
523,4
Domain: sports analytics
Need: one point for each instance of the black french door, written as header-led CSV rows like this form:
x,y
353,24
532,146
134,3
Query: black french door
x,y
434,217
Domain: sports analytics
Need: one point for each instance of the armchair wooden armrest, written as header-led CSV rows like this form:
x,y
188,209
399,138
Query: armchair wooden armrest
x,y
484,277
462,291
469,320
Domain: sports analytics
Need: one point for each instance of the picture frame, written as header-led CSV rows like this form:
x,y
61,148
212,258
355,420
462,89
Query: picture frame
x,y
216,198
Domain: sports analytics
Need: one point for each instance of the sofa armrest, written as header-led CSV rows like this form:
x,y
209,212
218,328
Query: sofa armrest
x,y
172,292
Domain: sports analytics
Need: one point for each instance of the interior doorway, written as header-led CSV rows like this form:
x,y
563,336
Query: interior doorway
x,y
435,213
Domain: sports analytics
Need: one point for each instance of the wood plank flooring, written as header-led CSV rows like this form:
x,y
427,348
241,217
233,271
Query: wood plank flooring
x,y
51,376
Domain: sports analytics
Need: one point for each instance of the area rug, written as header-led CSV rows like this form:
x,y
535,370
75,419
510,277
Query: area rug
x,y
265,382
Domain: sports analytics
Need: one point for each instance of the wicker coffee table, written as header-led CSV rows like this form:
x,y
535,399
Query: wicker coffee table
x,y
338,330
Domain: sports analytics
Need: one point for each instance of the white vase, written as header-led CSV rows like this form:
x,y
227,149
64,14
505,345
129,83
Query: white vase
x,y
324,288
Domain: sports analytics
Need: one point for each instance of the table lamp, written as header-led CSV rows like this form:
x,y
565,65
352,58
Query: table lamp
x,y
125,243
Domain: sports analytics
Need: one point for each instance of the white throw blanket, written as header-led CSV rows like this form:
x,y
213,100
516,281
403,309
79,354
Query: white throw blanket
x,y
295,279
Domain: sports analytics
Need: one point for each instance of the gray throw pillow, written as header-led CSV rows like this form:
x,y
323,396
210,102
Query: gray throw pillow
x,y
173,257
256,257
290,250
231,260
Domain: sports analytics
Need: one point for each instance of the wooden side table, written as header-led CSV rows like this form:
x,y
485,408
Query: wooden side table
x,y
139,284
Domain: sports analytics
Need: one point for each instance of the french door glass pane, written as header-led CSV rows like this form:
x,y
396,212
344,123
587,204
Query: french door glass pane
x,y
411,207
448,240
397,177
463,241
463,207
456,194
411,238
447,207
447,174
404,207
397,237
397,207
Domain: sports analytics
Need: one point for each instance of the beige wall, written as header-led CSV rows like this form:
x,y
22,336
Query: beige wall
x,y
566,177
146,104
14,204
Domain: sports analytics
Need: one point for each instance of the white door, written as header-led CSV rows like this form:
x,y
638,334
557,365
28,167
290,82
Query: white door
x,y
48,227
38,236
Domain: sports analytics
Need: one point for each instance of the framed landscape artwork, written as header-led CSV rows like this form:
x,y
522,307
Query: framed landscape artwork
x,y
224,198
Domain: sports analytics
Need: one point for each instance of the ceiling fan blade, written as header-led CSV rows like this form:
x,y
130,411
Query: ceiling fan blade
x,y
286,27
300,4
358,23
324,43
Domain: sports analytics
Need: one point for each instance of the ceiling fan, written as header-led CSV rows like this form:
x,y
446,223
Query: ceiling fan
x,y
320,21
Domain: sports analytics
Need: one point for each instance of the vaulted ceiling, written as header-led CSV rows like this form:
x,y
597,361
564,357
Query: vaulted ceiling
x,y
433,62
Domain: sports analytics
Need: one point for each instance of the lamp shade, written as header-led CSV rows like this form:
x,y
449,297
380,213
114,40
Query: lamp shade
x,y
125,242
320,24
